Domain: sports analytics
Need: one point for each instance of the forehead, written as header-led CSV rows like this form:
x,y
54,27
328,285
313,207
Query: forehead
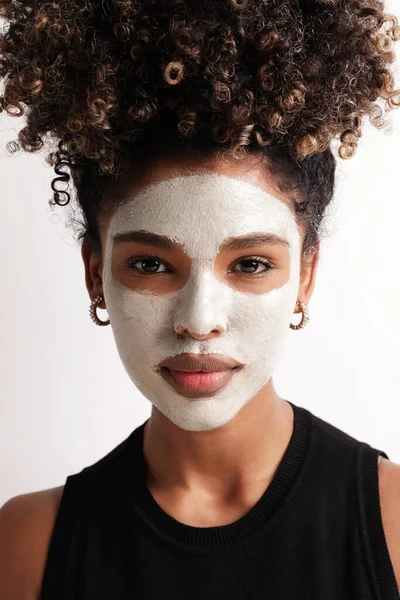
x,y
201,211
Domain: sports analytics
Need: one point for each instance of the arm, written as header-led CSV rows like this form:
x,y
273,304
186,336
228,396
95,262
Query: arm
x,y
389,492
26,524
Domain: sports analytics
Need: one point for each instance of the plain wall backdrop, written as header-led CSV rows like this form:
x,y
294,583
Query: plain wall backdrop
x,y
65,398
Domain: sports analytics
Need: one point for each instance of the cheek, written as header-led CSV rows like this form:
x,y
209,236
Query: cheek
x,y
254,313
148,316
258,325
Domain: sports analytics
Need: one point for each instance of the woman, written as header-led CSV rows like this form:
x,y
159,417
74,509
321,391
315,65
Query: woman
x,y
198,137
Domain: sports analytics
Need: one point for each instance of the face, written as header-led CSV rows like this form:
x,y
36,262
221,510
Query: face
x,y
199,286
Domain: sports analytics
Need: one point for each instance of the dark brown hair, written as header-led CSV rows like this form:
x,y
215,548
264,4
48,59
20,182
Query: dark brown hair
x,y
116,82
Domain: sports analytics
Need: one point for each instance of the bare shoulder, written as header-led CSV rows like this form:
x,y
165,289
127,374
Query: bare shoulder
x,y
26,525
389,493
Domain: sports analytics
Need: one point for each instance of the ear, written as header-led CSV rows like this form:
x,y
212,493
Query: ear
x,y
309,266
93,270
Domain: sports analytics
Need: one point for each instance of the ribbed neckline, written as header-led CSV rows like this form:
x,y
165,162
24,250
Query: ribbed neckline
x,y
217,539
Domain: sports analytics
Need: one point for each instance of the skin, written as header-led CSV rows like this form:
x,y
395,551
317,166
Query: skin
x,y
205,478
149,320
187,485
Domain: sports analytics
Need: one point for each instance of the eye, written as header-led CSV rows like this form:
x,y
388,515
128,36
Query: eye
x,y
142,261
252,262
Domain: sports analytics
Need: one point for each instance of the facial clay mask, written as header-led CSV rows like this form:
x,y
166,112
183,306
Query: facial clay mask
x,y
200,212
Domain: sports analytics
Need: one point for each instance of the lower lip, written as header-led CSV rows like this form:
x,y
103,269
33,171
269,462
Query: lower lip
x,y
198,381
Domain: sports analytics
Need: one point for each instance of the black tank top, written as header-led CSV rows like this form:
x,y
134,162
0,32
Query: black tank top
x,y
315,534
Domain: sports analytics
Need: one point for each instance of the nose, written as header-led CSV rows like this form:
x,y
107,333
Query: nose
x,y
203,305
185,333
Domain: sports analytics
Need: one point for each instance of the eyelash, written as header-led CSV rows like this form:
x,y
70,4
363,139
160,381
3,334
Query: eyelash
x,y
269,266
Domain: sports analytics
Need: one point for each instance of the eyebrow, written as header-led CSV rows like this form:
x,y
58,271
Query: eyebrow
x,y
161,241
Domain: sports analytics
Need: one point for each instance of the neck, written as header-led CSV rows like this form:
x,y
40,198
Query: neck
x,y
234,460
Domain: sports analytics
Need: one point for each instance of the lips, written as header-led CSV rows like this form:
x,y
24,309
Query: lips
x,y
197,384
197,375
200,362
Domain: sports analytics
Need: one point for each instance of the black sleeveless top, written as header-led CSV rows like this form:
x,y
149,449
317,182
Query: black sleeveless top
x,y
315,534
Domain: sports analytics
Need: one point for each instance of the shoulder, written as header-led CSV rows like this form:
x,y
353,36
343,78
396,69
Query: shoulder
x,y
26,525
389,493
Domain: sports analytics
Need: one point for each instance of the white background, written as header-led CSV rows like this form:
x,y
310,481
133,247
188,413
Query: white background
x,y
65,398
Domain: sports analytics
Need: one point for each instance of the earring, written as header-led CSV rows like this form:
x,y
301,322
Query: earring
x,y
93,313
304,319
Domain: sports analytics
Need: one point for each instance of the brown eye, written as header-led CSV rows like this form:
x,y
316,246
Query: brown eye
x,y
153,263
252,263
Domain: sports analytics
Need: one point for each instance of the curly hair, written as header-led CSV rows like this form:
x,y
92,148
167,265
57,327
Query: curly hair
x,y
114,82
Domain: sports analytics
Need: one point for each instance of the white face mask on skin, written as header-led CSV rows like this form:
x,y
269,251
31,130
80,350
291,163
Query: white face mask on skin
x,y
201,212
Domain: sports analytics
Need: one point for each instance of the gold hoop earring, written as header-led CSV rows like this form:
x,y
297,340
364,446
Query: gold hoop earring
x,y
93,313
305,316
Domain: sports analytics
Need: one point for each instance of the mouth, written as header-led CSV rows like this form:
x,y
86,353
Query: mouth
x,y
198,383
